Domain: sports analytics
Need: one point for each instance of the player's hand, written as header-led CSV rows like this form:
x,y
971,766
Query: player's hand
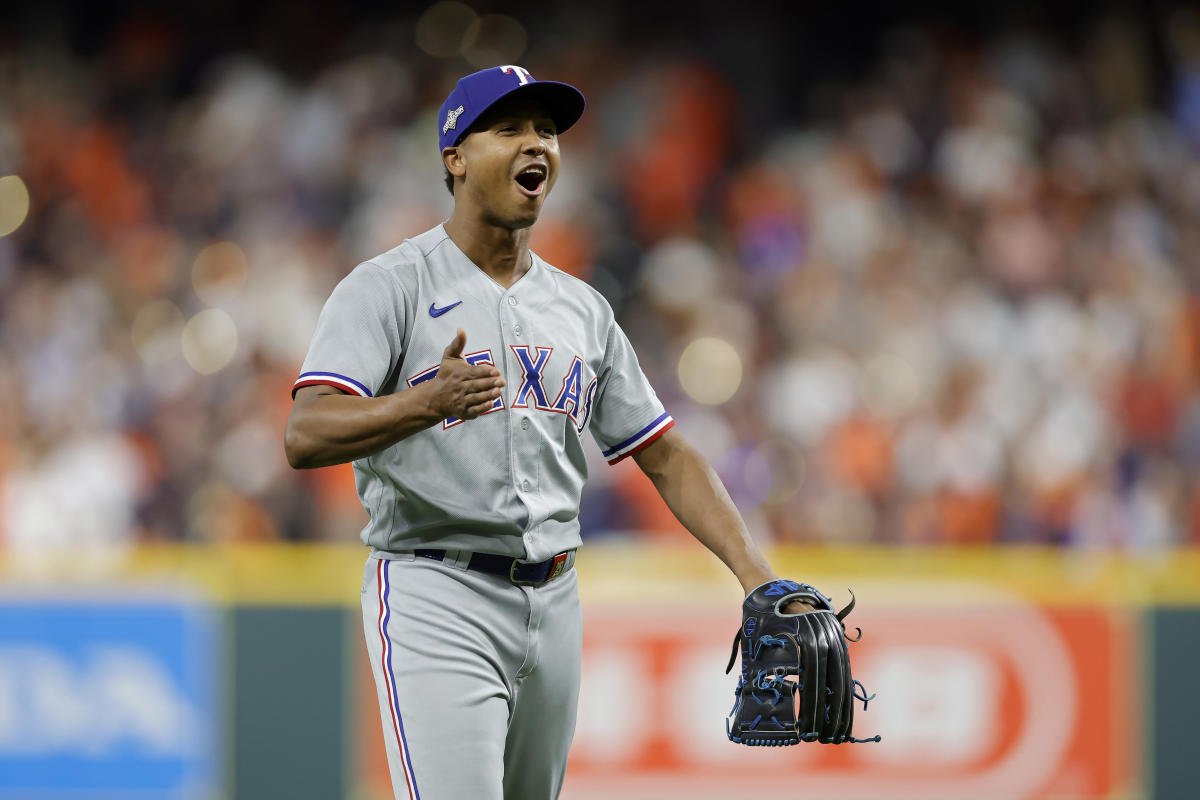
x,y
797,607
460,390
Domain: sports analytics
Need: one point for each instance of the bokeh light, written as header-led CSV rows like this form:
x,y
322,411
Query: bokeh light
x,y
710,371
494,39
156,331
219,270
680,272
441,29
14,203
209,341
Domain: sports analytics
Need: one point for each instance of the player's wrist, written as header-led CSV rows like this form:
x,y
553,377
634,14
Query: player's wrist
x,y
424,406
752,581
752,573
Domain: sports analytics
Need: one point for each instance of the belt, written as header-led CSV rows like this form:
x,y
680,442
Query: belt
x,y
521,573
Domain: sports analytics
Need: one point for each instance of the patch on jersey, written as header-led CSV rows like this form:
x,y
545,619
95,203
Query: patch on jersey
x,y
452,119
434,311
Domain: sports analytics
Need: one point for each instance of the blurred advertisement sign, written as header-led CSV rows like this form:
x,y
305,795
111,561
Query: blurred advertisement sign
x,y
107,698
993,700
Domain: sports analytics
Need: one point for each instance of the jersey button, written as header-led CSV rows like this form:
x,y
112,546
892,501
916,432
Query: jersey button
x,y
517,330
512,301
525,485
525,423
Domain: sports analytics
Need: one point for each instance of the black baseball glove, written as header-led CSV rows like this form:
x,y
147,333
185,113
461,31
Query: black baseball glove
x,y
796,684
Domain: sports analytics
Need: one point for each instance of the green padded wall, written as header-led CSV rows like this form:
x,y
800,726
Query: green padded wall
x,y
288,710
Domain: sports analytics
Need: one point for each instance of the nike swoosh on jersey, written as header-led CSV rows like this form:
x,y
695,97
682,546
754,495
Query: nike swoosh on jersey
x,y
434,311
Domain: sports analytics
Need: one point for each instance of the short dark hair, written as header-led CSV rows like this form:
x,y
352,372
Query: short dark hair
x,y
449,181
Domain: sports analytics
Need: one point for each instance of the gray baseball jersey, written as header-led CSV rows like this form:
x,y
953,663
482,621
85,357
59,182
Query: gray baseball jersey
x,y
509,481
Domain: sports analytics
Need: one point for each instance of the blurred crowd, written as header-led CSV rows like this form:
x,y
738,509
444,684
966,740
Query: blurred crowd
x,y
950,298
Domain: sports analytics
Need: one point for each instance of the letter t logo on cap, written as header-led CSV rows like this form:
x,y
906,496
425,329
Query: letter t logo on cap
x,y
522,73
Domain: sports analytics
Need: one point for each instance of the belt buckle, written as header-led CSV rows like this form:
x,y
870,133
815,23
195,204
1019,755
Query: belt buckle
x,y
512,574
556,566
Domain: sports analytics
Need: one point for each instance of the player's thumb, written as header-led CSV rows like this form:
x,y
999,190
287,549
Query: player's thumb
x,y
455,348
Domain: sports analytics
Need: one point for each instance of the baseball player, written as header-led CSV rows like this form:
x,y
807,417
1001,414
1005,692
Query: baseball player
x,y
460,372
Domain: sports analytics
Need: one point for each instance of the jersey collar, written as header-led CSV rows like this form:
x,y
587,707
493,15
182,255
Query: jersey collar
x,y
535,288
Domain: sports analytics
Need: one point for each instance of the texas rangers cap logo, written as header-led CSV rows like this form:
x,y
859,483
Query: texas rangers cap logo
x,y
452,119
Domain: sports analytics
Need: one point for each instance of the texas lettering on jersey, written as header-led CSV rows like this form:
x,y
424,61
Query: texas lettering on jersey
x,y
572,399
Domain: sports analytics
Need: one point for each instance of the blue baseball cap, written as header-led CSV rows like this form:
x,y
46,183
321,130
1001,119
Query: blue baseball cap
x,y
479,91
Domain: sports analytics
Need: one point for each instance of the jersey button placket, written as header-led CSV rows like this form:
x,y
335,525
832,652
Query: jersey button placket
x,y
523,457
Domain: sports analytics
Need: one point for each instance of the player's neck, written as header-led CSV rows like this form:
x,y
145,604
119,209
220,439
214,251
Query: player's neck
x,y
500,252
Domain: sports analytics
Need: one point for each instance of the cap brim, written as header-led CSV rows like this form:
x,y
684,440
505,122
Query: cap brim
x,y
565,102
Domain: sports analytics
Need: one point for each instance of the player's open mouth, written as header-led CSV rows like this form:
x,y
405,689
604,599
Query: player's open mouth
x,y
532,180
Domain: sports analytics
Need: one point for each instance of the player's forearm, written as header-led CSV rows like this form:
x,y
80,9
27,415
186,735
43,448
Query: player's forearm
x,y
696,496
335,428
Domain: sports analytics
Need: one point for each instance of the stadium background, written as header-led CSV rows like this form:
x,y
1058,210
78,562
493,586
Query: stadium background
x,y
921,283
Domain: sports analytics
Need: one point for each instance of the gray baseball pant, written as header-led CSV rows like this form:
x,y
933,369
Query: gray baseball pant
x,y
477,678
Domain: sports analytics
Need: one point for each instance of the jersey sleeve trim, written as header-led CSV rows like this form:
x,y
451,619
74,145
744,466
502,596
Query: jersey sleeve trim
x,y
639,440
331,379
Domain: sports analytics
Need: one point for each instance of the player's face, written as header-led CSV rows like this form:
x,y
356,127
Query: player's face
x,y
511,162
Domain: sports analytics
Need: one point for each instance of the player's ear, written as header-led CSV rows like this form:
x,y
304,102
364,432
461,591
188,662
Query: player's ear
x,y
456,165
